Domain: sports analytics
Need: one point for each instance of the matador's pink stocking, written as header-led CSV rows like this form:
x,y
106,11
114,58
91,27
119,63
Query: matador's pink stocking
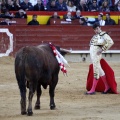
x,y
92,91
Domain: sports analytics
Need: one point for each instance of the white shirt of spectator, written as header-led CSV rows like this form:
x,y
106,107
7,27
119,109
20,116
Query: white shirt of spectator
x,y
118,8
102,23
116,1
90,19
34,2
71,9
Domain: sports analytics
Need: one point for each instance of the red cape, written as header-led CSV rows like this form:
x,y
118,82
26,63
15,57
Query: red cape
x,y
109,76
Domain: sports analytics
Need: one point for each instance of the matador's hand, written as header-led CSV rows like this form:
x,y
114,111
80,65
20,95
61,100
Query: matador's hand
x,y
99,52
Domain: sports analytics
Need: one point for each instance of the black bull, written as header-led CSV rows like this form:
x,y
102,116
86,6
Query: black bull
x,y
36,66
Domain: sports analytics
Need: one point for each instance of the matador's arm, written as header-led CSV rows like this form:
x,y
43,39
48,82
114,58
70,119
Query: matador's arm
x,y
108,42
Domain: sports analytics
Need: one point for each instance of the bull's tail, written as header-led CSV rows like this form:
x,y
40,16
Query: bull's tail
x,y
20,73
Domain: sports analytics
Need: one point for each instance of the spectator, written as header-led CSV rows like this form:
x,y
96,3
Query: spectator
x,y
75,2
7,14
52,6
94,7
78,14
100,19
26,5
100,2
105,7
68,16
82,6
54,16
90,21
70,6
82,21
108,20
17,3
62,5
45,2
34,21
3,6
89,3
39,6
21,14
12,5
6,21
117,6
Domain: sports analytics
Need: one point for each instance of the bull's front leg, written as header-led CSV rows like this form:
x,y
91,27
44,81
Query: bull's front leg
x,y
39,92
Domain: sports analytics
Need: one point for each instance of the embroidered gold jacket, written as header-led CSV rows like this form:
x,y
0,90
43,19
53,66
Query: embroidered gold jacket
x,y
103,40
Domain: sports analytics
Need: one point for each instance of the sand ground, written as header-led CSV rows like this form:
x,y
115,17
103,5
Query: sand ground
x,y
71,103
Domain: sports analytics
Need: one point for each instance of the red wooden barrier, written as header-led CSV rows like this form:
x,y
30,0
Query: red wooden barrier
x,y
16,21
64,22
68,36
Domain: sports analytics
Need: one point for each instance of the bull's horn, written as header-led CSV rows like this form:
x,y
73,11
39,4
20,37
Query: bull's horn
x,y
65,50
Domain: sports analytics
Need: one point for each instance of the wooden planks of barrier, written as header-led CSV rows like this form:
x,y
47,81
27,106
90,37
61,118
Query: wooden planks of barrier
x,y
75,37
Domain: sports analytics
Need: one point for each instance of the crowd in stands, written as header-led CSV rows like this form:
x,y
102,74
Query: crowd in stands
x,y
61,5
22,6
90,21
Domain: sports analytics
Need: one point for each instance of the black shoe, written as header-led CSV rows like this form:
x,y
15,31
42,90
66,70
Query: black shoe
x,y
107,91
93,93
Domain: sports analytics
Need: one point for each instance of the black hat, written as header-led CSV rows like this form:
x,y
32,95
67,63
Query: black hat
x,y
95,25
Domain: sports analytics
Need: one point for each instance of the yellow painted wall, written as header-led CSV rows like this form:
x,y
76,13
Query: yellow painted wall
x,y
43,19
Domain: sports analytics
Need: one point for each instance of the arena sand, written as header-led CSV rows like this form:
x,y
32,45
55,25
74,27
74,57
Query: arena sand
x,y
71,102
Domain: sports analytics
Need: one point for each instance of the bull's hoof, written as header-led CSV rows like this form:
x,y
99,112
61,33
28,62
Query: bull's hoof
x,y
37,107
52,107
29,113
23,113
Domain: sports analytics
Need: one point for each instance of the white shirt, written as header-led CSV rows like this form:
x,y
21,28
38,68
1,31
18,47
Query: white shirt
x,y
102,23
71,9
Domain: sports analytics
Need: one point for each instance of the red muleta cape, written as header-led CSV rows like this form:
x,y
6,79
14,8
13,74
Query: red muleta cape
x,y
109,76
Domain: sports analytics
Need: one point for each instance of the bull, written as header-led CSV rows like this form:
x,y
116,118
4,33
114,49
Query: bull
x,y
36,66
